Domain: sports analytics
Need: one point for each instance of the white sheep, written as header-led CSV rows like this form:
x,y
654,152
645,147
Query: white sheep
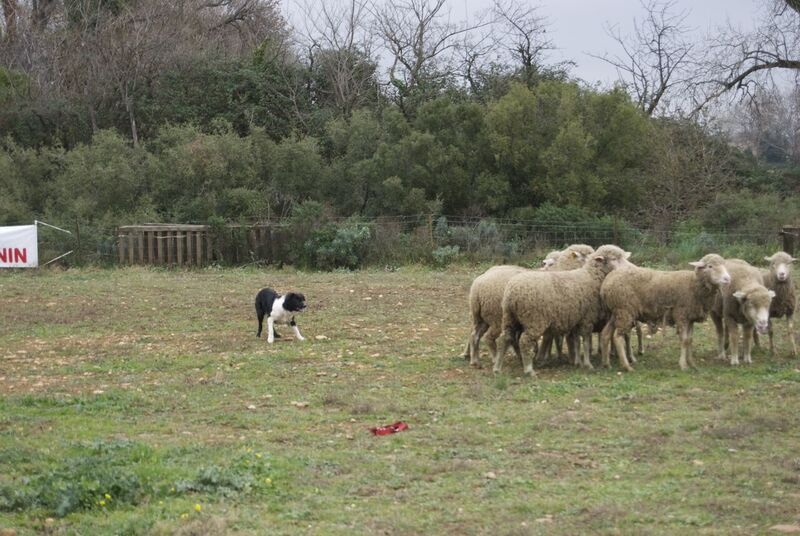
x,y
744,301
486,293
550,259
678,298
554,303
485,296
571,258
778,278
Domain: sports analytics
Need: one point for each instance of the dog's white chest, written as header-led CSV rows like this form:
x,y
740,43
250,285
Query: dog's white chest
x,y
279,314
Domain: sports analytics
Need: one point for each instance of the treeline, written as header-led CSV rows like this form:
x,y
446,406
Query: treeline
x,y
220,119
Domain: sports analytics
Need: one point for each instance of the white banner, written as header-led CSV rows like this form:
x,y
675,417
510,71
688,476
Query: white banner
x,y
18,247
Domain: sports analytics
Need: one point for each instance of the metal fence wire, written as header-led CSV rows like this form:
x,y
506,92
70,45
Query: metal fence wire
x,y
480,238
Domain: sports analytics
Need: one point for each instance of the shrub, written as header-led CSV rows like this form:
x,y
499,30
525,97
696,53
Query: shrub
x,y
338,246
444,255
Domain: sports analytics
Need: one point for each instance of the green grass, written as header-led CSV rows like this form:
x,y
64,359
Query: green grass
x,y
150,386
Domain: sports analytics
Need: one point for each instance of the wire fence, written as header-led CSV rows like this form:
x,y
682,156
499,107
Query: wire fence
x,y
394,239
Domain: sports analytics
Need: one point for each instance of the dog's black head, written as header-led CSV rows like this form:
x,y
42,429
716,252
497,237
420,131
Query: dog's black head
x,y
294,302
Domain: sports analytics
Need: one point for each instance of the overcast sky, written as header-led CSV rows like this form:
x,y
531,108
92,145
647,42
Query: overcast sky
x,y
578,26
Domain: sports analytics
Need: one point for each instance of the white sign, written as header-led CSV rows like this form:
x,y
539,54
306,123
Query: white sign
x,y
18,247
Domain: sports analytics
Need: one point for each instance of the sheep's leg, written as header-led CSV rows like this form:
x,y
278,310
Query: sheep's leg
x,y
474,346
718,326
505,340
518,351
491,342
527,360
619,344
689,352
587,350
747,334
572,351
558,340
547,345
756,339
792,338
640,345
733,337
628,349
685,332
605,342
771,341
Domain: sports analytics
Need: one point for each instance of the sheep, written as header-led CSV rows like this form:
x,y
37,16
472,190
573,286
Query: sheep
x,y
571,258
744,301
779,279
678,298
550,259
556,303
485,296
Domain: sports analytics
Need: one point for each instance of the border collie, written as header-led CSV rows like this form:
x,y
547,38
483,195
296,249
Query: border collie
x,y
280,309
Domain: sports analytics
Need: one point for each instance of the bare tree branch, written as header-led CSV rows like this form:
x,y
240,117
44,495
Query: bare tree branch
x,y
655,60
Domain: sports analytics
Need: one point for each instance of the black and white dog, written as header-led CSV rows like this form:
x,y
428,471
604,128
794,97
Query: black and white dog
x,y
280,309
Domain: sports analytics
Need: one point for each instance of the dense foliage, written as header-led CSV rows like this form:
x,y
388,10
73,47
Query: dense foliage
x,y
252,130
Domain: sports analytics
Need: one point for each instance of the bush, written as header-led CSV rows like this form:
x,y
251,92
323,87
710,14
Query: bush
x,y
338,246
442,256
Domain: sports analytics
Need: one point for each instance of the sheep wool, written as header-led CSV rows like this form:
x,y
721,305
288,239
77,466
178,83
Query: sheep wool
x,y
556,303
746,302
778,278
678,298
485,297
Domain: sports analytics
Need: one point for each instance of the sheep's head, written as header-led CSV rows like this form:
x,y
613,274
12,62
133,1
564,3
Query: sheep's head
x,y
584,249
780,265
609,257
550,259
754,301
712,269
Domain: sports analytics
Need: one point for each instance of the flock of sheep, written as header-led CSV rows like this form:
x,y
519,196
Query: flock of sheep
x,y
580,291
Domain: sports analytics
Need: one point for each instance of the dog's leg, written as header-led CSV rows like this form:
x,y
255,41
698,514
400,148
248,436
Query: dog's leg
x,y
270,330
296,330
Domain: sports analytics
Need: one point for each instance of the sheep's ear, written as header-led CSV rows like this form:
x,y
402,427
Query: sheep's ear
x,y
599,258
771,293
768,259
626,255
739,295
792,259
575,254
698,264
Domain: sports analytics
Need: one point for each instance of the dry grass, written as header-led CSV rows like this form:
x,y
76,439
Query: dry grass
x,y
166,364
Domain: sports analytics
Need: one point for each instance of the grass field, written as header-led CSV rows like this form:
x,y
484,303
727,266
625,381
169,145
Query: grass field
x,y
139,401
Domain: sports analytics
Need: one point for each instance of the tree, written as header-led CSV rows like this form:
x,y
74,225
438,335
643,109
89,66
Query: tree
x,y
421,40
656,59
744,61
340,54
523,33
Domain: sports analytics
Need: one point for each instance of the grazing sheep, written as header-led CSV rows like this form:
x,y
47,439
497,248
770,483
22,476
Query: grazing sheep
x,y
485,296
744,301
678,298
779,279
556,303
